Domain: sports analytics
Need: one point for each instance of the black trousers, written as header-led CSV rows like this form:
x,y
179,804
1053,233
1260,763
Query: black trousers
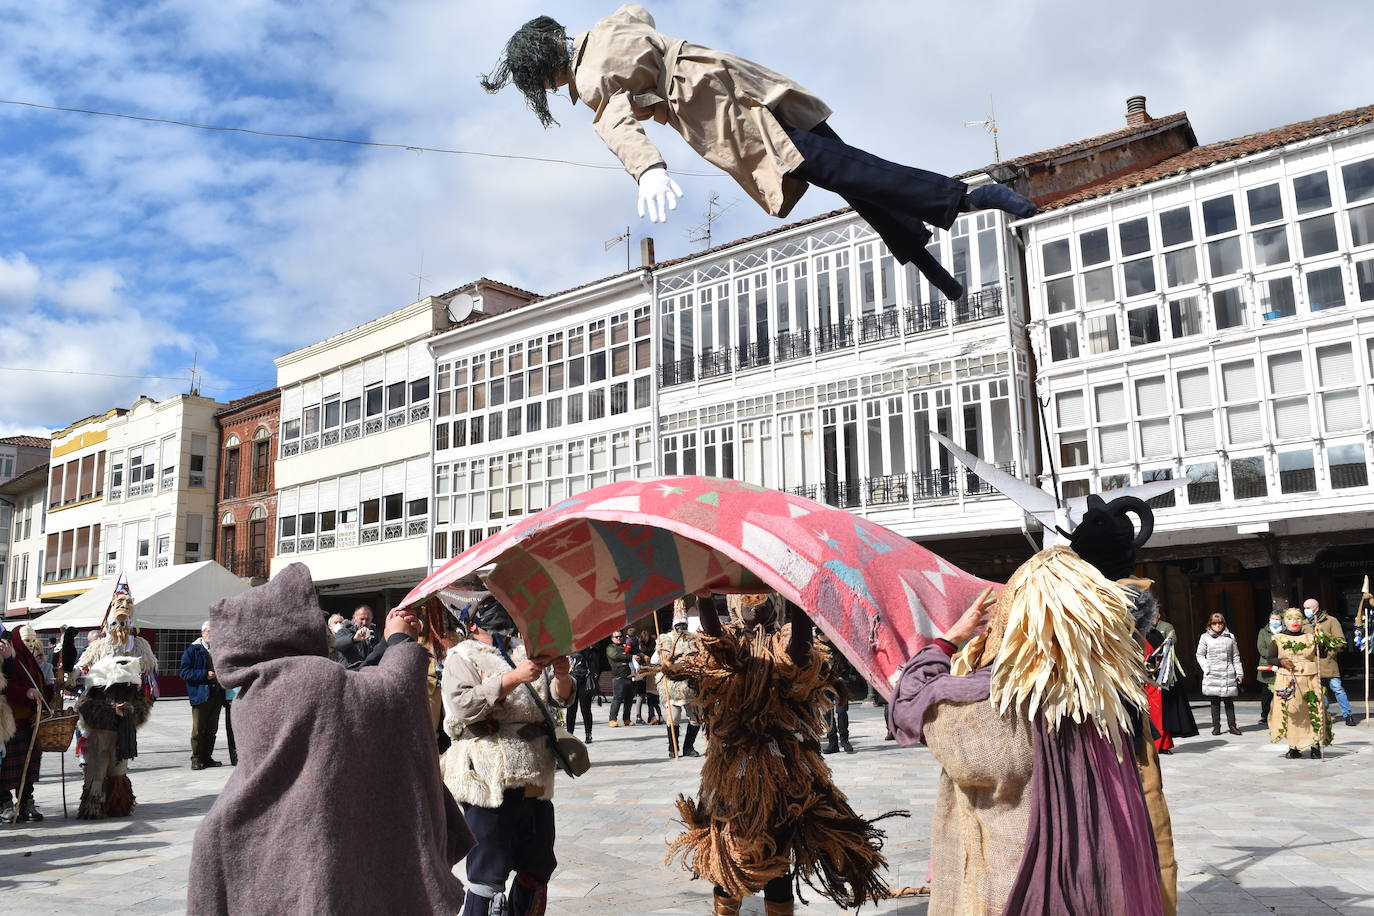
x,y
205,724
582,700
837,722
516,837
1230,711
624,694
896,200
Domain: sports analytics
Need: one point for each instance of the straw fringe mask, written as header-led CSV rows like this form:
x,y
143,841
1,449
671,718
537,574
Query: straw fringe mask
x,y
1060,640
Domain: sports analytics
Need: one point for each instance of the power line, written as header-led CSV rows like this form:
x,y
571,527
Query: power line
x,y
169,378
411,147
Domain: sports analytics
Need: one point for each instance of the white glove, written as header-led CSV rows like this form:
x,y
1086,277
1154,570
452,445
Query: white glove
x,y
655,190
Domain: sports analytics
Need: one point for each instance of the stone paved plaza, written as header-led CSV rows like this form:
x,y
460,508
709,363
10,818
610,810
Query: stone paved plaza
x,y
1256,833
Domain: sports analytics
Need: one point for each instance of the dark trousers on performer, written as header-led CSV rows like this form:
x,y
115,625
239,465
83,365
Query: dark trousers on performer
x,y
229,734
624,695
1266,697
837,725
896,200
516,837
582,701
205,725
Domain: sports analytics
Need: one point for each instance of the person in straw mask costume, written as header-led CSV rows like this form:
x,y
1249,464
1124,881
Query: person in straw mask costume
x,y
1298,713
1040,806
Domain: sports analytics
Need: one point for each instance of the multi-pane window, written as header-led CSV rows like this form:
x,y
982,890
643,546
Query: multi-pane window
x,y
1152,411
1223,245
1195,394
1240,389
1288,388
1336,376
1072,418
1064,341
1113,433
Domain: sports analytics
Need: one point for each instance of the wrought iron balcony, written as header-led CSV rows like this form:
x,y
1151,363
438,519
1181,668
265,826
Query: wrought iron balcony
x,y
879,326
986,303
794,345
835,337
807,491
935,484
754,354
679,372
928,317
246,564
260,481
715,363
842,493
977,486
884,491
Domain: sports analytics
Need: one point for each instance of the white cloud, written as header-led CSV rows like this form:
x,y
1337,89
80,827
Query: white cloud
x,y
238,248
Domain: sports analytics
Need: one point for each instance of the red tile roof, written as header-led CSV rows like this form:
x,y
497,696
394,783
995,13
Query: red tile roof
x,y
27,441
1224,151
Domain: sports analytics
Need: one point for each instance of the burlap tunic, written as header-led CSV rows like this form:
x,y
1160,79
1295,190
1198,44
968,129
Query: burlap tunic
x,y
982,807
1290,720
725,107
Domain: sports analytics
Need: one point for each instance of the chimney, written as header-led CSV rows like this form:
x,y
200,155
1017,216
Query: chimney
x,y
646,252
1136,115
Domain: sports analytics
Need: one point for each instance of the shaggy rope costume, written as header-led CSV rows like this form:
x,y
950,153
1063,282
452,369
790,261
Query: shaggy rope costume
x,y
767,802
112,711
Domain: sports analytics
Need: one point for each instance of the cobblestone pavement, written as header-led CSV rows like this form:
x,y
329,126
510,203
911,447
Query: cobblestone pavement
x,y
1256,833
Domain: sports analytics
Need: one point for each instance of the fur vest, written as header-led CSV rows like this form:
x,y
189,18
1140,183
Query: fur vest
x,y
478,770
7,726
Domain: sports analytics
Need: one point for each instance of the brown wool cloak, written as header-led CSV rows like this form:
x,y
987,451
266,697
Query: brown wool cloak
x,y
336,805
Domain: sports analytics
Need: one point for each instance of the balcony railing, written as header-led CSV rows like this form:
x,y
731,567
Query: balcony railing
x,y
291,449
246,564
935,484
926,317
329,437
416,527
842,493
985,303
879,326
715,363
835,337
806,490
794,345
884,491
260,481
679,372
752,355
351,432
977,486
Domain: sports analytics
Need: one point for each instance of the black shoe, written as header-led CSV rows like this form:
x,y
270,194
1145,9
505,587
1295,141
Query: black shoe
x,y
197,765
1315,753
589,738
28,811
830,748
691,752
1216,729
212,763
1293,753
998,197
1167,751
846,746
1350,719
1233,730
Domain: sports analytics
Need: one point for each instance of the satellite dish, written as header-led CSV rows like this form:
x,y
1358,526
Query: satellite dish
x,y
461,306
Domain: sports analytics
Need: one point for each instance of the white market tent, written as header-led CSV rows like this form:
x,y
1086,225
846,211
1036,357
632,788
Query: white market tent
x,y
170,598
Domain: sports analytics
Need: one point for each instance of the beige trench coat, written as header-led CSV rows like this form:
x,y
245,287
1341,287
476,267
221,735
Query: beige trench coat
x,y
725,107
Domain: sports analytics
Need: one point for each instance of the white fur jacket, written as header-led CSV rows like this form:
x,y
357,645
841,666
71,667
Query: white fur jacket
x,y
479,770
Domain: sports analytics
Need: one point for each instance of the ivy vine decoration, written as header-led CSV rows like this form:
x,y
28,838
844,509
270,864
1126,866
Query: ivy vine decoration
x,y
1294,645
1317,715
1328,643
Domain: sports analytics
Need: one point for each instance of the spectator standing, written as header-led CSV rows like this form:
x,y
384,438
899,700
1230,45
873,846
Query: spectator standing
x,y
500,766
837,717
207,699
1263,641
1219,658
1328,663
356,639
585,667
622,687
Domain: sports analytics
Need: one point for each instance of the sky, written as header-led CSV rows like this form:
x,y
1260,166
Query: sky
x,y
135,249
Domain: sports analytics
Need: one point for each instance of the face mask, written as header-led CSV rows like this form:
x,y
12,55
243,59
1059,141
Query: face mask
x,y
1308,613
1275,626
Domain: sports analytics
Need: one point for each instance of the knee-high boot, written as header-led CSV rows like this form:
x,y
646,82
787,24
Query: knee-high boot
x,y
528,897
688,743
673,735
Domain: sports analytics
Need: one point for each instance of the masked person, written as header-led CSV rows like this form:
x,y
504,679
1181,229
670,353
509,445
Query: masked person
x,y
764,130
671,648
501,764
1263,640
1298,715
768,816
1328,655
120,640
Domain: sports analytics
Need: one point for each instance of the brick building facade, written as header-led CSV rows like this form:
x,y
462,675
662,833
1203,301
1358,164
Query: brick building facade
x,y
246,513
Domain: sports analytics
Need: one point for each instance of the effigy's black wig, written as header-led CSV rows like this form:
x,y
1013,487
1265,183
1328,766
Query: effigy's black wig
x,y
533,57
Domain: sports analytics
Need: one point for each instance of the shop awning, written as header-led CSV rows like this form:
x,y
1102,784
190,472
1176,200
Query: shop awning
x,y
171,598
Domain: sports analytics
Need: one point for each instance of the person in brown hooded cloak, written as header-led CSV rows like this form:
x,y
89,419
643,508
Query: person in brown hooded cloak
x,y
337,805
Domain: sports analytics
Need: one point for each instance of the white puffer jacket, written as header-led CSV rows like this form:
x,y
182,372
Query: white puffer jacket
x,y
1219,658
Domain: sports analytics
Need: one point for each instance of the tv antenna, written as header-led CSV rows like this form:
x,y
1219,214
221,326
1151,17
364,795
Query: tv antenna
x,y
195,363
989,124
714,211
611,243
420,277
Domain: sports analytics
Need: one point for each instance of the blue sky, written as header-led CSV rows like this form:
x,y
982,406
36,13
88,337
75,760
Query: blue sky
x,y
134,249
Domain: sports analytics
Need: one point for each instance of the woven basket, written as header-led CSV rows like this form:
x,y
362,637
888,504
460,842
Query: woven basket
x,y
55,731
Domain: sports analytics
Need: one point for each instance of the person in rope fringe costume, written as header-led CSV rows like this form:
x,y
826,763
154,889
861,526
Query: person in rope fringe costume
x,y
1032,718
1298,713
120,640
767,816
764,130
